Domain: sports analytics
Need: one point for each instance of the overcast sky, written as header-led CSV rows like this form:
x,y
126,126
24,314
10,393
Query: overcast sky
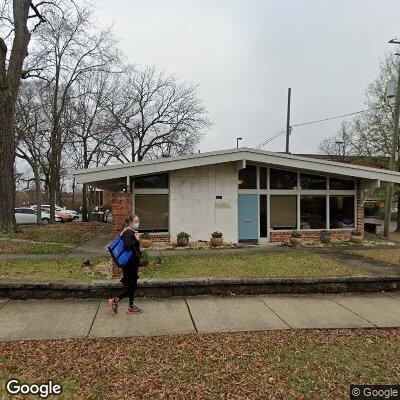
x,y
244,54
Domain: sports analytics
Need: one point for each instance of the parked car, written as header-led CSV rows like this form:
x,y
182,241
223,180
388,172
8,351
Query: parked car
x,y
25,215
64,215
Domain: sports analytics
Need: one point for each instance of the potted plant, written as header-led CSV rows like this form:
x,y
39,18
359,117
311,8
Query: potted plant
x,y
325,237
356,236
295,238
217,239
182,239
146,240
145,259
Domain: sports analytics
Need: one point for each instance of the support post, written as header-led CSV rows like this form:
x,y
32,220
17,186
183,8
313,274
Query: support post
x,y
288,120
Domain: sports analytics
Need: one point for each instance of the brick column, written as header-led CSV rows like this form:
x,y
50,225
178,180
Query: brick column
x,y
121,208
360,208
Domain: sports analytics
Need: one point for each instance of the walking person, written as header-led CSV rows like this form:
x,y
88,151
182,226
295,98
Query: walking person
x,y
130,273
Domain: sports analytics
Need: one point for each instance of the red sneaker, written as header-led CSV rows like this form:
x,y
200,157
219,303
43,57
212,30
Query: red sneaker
x,y
113,306
134,310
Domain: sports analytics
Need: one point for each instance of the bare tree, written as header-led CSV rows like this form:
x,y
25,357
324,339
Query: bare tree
x,y
342,144
91,127
70,51
15,33
153,116
370,134
32,135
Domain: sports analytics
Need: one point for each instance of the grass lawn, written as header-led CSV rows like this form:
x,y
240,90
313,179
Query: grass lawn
x,y
255,365
271,264
48,270
389,256
71,233
17,247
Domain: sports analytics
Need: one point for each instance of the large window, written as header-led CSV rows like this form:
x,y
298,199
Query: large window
x,y
159,181
312,212
281,179
152,210
340,184
341,212
283,212
248,177
312,182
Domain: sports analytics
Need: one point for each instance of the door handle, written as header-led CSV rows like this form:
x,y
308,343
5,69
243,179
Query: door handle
x,y
248,220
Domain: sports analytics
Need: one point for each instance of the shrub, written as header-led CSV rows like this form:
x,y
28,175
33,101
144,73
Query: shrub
x,y
295,234
326,233
216,234
183,235
145,235
356,232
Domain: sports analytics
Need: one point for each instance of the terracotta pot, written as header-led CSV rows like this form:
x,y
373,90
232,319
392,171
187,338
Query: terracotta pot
x,y
356,238
296,241
325,239
145,243
217,241
182,241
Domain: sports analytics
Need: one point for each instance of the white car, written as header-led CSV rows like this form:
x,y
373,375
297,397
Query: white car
x,y
71,213
25,215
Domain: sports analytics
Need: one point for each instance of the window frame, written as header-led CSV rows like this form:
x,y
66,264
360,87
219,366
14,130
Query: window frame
x,y
298,192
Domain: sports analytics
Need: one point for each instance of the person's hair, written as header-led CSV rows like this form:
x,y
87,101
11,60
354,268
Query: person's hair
x,y
129,219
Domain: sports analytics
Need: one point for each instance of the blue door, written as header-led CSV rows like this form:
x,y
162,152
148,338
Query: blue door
x,y
248,217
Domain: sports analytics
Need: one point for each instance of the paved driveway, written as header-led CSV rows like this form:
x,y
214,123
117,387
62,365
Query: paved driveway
x,y
55,319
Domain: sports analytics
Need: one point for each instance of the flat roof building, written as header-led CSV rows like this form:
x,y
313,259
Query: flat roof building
x,y
247,194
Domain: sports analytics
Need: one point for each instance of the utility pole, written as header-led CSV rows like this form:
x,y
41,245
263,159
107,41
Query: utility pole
x,y
288,119
393,152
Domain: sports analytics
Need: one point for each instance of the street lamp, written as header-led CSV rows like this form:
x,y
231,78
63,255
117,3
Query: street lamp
x,y
237,142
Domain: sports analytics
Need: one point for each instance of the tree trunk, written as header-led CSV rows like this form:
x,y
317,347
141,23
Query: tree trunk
x,y
84,202
7,159
38,195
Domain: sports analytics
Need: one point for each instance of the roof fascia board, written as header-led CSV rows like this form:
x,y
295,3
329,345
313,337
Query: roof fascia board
x,y
154,168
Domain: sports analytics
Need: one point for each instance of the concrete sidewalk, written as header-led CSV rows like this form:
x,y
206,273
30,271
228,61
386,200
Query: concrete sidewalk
x,y
56,319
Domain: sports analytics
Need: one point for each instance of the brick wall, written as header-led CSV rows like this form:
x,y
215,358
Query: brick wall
x,y
360,208
284,237
121,208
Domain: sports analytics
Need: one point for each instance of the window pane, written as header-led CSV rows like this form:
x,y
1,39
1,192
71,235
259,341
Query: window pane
x,y
313,212
341,212
312,182
263,216
152,210
248,177
159,181
340,184
263,178
283,179
283,212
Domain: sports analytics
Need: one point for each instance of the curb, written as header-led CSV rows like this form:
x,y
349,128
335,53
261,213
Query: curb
x,y
200,286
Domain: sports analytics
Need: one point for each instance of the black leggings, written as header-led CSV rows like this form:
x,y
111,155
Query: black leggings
x,y
129,291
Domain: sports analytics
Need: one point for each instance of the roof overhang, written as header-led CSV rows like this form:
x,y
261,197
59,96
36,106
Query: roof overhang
x,y
114,177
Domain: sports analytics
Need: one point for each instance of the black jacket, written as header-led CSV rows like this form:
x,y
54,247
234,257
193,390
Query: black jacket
x,y
130,273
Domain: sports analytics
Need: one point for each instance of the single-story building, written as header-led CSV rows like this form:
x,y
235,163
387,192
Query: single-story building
x,y
247,194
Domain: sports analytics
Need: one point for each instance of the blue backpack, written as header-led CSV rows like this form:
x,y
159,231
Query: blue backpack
x,y
119,253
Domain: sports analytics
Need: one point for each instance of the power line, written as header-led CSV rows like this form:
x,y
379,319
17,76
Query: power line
x,y
281,132
336,117
270,139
